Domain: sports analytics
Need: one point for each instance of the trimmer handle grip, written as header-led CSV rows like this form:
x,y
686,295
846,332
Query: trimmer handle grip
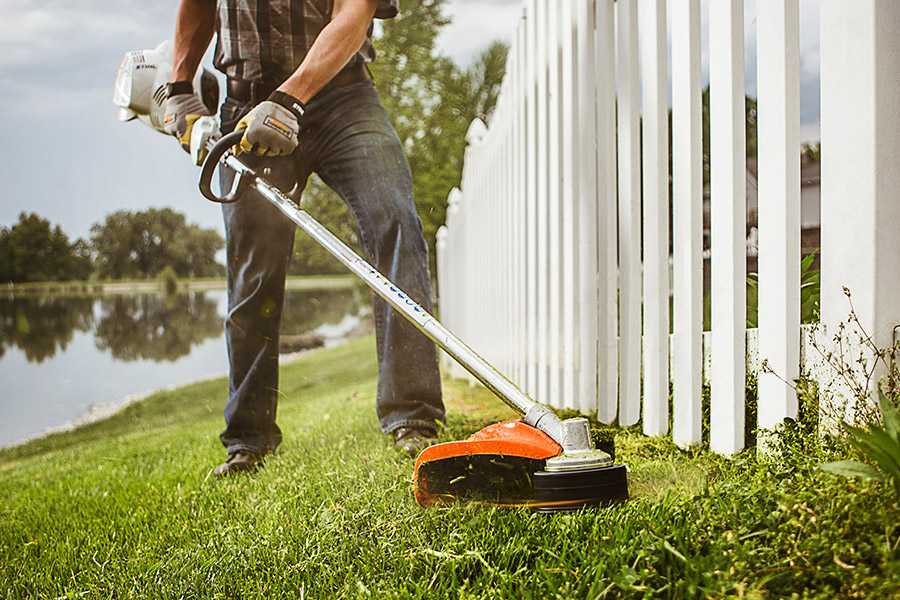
x,y
216,153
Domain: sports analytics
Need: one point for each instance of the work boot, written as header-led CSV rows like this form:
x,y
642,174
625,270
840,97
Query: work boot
x,y
239,462
412,440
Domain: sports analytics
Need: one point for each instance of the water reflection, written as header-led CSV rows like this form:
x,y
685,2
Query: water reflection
x,y
42,326
52,349
306,310
149,326
156,327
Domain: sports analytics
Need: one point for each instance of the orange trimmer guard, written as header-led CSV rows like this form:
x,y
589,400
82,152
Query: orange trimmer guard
x,y
495,465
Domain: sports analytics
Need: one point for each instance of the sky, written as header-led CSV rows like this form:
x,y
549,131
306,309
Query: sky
x,y
66,157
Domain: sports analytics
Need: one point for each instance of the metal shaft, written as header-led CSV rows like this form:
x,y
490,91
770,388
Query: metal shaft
x,y
535,413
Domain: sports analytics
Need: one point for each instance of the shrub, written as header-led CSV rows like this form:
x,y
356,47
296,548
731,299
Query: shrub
x,y
168,280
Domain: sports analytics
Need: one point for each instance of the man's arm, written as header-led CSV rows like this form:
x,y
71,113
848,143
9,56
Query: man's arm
x,y
333,48
272,128
194,28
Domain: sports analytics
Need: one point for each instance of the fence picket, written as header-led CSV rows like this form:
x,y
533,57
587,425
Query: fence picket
x,y
542,265
554,204
569,237
588,299
687,220
519,317
607,333
778,37
531,111
728,216
628,112
654,74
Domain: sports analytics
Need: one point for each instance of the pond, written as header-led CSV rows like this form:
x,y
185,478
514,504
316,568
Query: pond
x,y
69,360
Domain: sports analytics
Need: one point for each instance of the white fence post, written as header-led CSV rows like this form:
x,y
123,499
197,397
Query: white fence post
x,y
778,39
588,299
445,297
655,130
520,207
628,113
569,237
542,264
531,198
687,218
860,52
728,183
606,213
554,205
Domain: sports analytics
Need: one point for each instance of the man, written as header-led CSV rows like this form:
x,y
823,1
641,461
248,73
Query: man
x,y
299,88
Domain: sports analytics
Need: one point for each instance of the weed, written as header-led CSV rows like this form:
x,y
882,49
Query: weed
x,y
810,290
879,444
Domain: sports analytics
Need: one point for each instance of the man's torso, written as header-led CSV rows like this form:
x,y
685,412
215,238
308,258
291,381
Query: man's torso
x,y
268,39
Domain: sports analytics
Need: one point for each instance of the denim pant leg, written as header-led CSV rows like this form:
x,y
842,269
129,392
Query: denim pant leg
x,y
260,241
359,155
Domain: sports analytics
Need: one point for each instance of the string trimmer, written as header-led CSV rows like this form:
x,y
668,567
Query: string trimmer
x,y
539,461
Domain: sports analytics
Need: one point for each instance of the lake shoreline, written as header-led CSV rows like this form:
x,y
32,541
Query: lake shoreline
x,y
106,410
101,412
94,288
71,361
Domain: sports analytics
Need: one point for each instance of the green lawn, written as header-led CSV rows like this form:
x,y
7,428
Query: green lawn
x,y
126,508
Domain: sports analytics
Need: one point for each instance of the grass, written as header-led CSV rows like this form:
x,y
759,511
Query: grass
x,y
125,508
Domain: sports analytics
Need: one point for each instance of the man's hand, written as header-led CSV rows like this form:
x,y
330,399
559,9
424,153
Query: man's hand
x,y
181,112
272,128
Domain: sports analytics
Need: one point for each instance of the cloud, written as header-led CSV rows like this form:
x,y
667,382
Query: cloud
x,y
475,24
53,52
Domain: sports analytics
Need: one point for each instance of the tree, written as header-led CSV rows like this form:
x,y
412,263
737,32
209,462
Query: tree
x,y
433,102
34,250
82,260
812,151
463,95
141,244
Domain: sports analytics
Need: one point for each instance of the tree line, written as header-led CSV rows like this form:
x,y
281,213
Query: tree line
x,y
125,245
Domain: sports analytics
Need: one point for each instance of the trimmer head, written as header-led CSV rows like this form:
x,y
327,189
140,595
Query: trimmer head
x,y
514,464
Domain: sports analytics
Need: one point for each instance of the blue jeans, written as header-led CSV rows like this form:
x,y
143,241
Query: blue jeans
x,y
348,140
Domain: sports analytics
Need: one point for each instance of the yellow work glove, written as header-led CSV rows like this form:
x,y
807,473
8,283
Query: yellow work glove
x,y
181,111
272,128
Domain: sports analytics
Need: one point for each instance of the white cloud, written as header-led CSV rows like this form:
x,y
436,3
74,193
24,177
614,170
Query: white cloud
x,y
477,23
38,33
62,55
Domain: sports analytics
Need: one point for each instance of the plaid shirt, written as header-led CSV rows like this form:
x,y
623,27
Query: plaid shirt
x,y
268,39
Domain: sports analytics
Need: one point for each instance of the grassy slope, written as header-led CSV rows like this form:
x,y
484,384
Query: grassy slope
x,y
126,506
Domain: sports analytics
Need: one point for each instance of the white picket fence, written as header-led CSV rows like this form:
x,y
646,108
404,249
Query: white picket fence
x,y
555,259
